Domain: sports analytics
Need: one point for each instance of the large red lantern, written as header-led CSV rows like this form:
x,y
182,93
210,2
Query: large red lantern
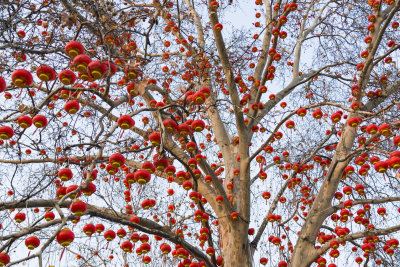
x,y
22,78
45,73
155,139
6,132
74,48
65,237
32,242
127,246
67,77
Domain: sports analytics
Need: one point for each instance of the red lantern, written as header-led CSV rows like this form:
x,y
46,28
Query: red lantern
x,y
198,125
89,229
65,237
2,84
4,259
97,69
155,139
74,48
72,106
6,132
127,246
109,235
126,122
45,73
67,77
49,216
22,78
142,176
117,160
32,242
65,174
78,207
20,217
39,121
81,62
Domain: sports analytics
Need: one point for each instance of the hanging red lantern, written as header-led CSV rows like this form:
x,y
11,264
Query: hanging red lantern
x,y
155,139
22,78
67,77
49,216
32,242
81,62
24,121
117,160
72,106
3,84
65,237
109,235
142,176
74,48
39,121
6,132
97,69
78,207
4,259
20,217
65,174
89,229
127,246
125,122
46,73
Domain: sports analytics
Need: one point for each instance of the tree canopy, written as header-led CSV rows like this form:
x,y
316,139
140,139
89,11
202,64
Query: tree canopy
x,y
199,133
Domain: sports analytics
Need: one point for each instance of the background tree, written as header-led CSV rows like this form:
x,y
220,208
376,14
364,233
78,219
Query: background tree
x,y
283,133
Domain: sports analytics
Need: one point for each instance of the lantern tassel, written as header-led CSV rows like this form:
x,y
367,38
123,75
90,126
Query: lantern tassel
x,y
62,253
20,92
40,86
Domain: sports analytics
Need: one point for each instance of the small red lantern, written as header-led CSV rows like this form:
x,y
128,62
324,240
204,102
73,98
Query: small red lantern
x,y
39,121
3,84
20,217
6,132
109,235
65,237
89,229
32,242
155,139
117,160
126,122
45,73
22,78
81,62
67,77
78,207
74,48
72,106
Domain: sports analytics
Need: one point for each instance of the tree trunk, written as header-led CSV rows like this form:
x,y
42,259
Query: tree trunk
x,y
236,248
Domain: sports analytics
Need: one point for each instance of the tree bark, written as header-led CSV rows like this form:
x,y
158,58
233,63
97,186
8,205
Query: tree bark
x,y
235,244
